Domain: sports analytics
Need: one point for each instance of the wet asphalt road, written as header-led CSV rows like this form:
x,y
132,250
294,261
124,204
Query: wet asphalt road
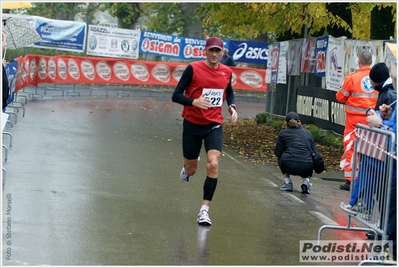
x,y
94,180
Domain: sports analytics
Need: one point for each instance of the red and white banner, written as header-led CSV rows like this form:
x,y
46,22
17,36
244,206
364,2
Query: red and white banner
x,y
372,143
35,69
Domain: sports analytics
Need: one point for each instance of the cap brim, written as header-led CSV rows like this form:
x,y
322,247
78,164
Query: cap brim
x,y
214,46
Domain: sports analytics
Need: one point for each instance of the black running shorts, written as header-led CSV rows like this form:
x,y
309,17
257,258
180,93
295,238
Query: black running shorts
x,y
194,134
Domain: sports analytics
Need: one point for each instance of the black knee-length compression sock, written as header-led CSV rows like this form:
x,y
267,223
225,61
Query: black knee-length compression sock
x,y
209,188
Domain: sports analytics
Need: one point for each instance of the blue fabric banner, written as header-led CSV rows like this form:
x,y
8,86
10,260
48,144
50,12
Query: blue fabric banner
x,y
172,46
249,51
321,52
61,34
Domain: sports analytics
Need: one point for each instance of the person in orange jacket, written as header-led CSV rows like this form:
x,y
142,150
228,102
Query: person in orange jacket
x,y
358,95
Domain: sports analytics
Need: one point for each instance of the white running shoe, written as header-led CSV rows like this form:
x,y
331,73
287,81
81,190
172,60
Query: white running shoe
x,y
306,186
348,208
184,176
203,218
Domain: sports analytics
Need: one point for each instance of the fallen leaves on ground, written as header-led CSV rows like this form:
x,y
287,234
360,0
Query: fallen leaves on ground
x,y
256,142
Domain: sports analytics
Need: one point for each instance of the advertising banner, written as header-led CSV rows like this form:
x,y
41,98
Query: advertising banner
x,y
282,63
249,51
321,52
335,62
192,48
391,56
171,46
294,56
113,42
35,69
308,61
320,107
275,61
160,44
354,47
269,67
61,34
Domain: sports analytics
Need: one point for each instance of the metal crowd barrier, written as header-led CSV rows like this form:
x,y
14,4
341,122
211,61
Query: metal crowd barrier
x,y
372,166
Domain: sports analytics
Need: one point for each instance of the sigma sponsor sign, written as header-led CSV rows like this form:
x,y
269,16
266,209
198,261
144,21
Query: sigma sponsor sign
x,y
61,34
249,51
113,42
171,46
160,44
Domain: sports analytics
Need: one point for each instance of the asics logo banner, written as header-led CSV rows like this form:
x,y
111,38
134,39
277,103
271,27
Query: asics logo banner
x,y
248,52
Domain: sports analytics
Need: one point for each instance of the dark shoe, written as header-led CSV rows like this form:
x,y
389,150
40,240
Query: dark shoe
x,y
346,186
371,235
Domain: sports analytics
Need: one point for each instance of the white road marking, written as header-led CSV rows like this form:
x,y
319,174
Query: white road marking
x,y
323,218
232,158
293,197
268,182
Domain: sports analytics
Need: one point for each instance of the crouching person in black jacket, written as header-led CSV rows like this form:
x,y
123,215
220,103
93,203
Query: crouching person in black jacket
x,y
294,157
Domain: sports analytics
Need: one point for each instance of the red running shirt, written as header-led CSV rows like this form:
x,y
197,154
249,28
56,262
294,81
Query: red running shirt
x,y
211,81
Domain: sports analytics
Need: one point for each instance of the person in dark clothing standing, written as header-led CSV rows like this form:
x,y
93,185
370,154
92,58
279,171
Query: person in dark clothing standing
x,y
6,87
226,59
202,89
294,157
382,82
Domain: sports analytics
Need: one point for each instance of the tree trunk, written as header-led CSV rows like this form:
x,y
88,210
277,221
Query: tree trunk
x,y
193,26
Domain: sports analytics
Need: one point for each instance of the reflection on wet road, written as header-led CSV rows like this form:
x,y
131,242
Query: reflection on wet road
x,y
95,181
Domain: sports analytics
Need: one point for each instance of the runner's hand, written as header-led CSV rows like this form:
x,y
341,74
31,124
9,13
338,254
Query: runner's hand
x,y
202,102
234,115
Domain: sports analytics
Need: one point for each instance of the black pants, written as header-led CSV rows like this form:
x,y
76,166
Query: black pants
x,y
303,169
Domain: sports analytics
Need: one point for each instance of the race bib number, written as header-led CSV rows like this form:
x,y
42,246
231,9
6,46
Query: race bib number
x,y
215,95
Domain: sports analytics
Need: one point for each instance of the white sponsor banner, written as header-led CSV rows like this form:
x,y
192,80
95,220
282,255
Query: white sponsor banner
x,y
113,42
354,47
282,63
335,62
268,76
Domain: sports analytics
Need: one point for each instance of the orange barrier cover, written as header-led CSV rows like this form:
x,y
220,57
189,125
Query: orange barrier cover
x,y
35,69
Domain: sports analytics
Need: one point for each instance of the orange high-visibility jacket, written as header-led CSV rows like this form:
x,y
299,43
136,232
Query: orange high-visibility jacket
x,y
357,93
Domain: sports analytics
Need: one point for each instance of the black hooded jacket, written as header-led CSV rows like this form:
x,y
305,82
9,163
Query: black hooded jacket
x,y
292,146
386,94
